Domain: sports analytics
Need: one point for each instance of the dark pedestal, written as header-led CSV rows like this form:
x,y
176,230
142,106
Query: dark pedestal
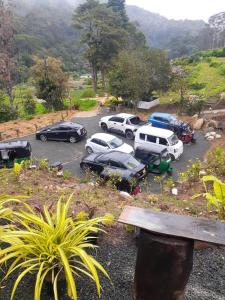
x,y
163,266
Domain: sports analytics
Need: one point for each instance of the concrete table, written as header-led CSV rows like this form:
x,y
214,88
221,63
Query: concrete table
x,y
165,250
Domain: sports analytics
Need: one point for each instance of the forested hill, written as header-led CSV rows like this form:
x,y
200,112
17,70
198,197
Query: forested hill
x,y
45,28
161,32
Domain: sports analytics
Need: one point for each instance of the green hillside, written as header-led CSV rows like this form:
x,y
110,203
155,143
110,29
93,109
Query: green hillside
x,y
205,77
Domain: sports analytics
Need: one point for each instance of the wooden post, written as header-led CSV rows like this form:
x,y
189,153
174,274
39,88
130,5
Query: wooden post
x,y
163,266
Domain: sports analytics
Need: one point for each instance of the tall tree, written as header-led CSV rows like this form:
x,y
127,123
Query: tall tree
x,y
119,7
136,74
8,51
51,81
101,34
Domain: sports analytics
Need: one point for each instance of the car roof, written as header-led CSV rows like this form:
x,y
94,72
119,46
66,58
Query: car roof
x,y
163,115
125,115
149,129
13,144
67,123
103,136
117,155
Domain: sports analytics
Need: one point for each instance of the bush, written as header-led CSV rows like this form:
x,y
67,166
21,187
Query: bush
x,y
87,93
198,85
6,114
191,107
112,102
30,106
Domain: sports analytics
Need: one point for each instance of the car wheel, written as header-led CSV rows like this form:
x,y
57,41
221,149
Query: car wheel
x,y
43,138
104,127
129,135
172,157
72,139
89,150
84,167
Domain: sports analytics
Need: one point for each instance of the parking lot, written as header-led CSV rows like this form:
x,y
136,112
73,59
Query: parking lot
x,y
71,154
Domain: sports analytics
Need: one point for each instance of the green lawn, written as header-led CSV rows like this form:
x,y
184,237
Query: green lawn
x,y
206,76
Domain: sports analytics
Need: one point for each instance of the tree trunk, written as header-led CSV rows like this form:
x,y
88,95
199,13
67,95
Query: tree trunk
x,y
103,79
94,78
11,98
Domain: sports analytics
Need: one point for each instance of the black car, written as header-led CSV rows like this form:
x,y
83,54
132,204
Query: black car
x,y
114,162
63,131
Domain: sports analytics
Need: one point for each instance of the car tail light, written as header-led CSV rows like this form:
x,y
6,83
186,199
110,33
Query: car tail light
x,y
136,190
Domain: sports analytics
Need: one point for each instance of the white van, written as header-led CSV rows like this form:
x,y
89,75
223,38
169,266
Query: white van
x,y
156,139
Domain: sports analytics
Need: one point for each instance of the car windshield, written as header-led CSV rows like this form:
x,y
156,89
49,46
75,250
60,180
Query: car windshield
x,y
135,120
115,143
131,163
173,119
173,139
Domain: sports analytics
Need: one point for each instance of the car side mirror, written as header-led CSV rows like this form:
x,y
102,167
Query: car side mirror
x,y
48,130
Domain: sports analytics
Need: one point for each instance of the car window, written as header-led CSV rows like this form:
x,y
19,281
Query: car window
x,y
115,143
173,139
134,120
142,136
151,138
62,128
131,163
114,164
157,118
102,159
95,141
102,143
162,141
117,119
113,119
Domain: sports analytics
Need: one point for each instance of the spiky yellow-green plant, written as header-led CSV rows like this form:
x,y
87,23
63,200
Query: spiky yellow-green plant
x,y
52,245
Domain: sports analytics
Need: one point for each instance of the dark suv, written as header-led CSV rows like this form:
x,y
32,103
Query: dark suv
x,y
63,131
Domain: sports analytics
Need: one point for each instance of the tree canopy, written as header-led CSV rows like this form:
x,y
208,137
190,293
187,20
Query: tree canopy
x,y
51,81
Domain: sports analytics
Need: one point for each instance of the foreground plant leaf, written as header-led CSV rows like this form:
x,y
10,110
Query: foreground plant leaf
x,y
51,245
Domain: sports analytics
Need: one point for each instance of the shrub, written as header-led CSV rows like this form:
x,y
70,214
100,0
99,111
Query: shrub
x,y
217,197
112,102
198,85
87,93
30,106
216,161
51,244
6,114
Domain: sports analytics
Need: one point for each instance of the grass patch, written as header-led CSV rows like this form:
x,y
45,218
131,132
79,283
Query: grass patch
x,y
206,79
85,105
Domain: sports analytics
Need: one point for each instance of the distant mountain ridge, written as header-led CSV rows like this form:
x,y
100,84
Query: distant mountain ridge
x,y
159,30
45,28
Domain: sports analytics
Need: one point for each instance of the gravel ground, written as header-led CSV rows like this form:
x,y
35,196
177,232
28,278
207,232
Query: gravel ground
x,y
206,281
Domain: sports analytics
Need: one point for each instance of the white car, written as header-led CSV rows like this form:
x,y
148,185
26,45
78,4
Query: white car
x,y
124,123
157,139
103,142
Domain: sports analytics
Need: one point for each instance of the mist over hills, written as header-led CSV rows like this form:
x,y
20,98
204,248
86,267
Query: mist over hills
x,y
45,27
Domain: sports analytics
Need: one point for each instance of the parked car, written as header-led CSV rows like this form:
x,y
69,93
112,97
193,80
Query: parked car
x,y
62,131
168,121
156,162
11,152
103,142
157,139
122,165
126,124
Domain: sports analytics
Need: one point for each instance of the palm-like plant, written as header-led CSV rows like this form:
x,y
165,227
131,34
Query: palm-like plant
x,y
52,245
